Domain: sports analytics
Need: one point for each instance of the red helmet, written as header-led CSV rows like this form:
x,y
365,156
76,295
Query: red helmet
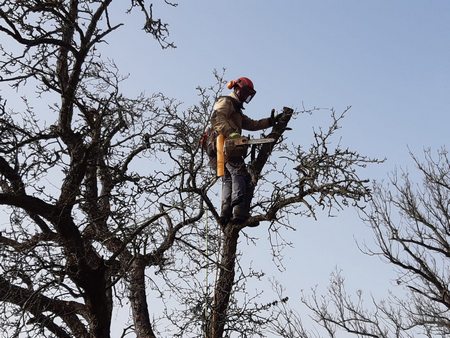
x,y
243,88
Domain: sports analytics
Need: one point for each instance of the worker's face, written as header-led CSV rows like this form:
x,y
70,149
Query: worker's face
x,y
245,94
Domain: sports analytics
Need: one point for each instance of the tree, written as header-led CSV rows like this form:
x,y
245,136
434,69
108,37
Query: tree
x,y
325,179
411,227
67,247
91,224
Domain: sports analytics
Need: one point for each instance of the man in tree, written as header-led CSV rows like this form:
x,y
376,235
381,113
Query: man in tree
x,y
229,120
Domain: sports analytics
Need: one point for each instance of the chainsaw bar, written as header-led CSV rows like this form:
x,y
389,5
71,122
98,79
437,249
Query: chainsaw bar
x,y
245,141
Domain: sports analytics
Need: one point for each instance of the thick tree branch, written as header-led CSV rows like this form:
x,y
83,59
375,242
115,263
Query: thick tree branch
x,y
35,303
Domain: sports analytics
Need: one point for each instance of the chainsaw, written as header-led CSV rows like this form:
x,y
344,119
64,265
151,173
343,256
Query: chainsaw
x,y
237,147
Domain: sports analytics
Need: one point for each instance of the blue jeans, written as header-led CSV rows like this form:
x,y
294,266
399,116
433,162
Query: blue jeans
x,y
237,190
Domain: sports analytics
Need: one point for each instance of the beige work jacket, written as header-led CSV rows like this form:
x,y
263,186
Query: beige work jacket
x,y
228,118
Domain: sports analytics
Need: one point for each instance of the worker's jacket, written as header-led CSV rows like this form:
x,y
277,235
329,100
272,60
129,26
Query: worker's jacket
x,y
228,118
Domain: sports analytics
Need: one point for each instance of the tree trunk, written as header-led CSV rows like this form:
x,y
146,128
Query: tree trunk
x,y
99,303
224,283
138,299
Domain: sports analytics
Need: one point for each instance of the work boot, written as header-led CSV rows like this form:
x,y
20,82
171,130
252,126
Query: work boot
x,y
253,224
239,220
240,215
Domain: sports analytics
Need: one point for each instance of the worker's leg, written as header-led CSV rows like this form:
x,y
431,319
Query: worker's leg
x,y
240,180
241,210
249,190
226,210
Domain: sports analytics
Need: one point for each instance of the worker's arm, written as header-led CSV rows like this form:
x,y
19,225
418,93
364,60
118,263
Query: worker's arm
x,y
249,124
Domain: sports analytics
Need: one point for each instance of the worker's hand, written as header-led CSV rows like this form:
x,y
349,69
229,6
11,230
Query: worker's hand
x,y
234,136
274,118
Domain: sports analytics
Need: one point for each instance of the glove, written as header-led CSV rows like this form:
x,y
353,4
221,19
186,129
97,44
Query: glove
x,y
234,135
274,118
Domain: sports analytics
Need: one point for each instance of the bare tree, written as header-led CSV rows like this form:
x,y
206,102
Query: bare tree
x,y
411,225
92,223
77,206
325,177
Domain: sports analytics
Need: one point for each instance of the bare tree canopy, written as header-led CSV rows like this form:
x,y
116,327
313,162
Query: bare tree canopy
x,y
109,197
411,225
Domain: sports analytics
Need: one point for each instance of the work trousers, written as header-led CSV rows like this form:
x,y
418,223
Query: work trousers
x,y
237,190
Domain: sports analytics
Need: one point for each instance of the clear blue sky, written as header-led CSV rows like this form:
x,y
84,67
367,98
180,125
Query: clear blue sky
x,y
389,60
